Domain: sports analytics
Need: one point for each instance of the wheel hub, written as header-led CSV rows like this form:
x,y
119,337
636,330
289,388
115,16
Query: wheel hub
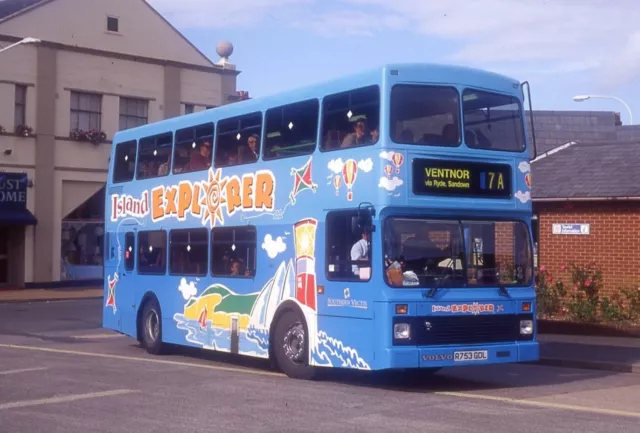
x,y
293,344
153,325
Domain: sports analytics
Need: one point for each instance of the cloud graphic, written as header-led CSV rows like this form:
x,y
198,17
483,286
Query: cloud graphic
x,y
523,196
365,165
273,247
390,184
187,289
524,167
387,155
335,165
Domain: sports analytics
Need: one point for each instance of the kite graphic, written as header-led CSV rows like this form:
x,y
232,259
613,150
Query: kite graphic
x,y
111,299
302,180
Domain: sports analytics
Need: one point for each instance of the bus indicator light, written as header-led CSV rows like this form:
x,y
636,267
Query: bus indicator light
x,y
401,308
526,306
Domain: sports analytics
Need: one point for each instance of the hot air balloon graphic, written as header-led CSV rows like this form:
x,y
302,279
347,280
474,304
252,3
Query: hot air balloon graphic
x,y
527,180
336,183
349,174
397,160
388,170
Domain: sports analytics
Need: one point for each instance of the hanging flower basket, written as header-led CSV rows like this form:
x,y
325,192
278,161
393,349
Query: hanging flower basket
x,y
24,130
92,135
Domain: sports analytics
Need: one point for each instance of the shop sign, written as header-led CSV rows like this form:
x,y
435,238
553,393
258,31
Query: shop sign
x,y
13,191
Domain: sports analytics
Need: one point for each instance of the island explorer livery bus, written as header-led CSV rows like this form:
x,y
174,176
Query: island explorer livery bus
x,y
377,221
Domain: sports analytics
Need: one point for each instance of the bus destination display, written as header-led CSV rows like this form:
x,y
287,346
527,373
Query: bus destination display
x,y
461,178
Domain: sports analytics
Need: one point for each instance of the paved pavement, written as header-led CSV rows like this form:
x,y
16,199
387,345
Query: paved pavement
x,y
41,295
60,372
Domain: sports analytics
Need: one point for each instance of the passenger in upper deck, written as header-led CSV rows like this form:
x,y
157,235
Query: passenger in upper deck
x,y
251,152
201,160
358,135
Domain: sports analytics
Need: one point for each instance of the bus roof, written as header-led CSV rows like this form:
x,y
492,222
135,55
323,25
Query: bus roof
x,y
431,72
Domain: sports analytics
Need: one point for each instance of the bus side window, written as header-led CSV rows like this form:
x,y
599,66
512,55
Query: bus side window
x,y
188,252
348,251
129,251
291,130
238,140
351,119
233,251
152,252
193,149
125,161
154,156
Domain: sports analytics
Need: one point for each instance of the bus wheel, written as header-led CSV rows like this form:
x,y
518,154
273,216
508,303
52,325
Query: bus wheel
x,y
152,327
291,346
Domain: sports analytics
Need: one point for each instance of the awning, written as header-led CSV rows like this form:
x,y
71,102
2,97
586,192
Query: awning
x,y
17,218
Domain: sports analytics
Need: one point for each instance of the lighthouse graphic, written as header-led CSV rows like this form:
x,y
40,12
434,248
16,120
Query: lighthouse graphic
x,y
305,240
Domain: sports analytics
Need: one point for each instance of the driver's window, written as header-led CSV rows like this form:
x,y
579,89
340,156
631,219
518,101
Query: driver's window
x,y
348,248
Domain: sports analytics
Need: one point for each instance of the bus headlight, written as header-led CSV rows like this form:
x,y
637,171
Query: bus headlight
x,y
526,327
401,331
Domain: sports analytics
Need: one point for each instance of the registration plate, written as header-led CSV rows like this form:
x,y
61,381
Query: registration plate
x,y
472,355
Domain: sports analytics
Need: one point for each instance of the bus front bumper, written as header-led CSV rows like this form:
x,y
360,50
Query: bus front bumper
x,y
447,356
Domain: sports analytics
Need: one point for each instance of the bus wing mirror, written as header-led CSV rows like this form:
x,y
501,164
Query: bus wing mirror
x,y
533,131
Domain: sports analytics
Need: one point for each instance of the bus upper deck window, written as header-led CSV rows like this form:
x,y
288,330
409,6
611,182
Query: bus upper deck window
x,y
291,130
351,118
125,161
193,149
238,140
154,156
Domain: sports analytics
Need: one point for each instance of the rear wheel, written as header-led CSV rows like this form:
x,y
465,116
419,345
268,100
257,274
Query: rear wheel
x,y
291,346
152,327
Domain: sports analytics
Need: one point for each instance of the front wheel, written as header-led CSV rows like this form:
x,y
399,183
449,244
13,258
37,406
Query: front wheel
x,y
152,328
291,346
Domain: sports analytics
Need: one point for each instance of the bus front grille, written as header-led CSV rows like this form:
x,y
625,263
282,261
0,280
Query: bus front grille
x,y
446,330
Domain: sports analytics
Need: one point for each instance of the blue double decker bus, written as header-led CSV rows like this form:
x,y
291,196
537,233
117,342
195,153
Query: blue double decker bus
x,y
377,221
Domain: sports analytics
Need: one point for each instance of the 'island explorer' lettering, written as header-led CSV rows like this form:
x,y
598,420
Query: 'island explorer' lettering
x,y
448,177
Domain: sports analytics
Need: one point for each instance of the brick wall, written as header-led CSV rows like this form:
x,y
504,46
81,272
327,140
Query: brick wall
x,y
505,246
613,242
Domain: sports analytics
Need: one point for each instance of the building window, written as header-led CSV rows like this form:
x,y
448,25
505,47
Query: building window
x,y
291,130
21,105
188,108
238,140
152,252
193,148
133,112
351,118
154,156
112,24
188,252
86,111
129,251
233,251
82,240
348,248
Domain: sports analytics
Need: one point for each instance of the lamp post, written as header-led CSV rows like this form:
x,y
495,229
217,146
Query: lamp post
x,y
28,40
581,98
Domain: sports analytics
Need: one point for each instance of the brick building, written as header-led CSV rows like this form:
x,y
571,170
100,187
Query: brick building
x,y
101,66
586,195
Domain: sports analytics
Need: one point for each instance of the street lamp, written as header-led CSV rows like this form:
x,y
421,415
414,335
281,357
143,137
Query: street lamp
x,y
28,40
581,98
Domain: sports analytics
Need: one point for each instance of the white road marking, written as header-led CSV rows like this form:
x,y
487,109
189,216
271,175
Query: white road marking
x,y
64,399
544,404
22,370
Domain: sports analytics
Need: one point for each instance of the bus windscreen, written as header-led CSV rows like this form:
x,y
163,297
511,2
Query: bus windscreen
x,y
427,253
492,121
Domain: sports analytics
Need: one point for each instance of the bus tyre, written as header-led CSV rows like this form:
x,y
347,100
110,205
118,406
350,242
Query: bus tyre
x,y
291,346
152,327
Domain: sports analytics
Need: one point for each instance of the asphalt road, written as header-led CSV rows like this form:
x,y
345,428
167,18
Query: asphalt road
x,y
60,372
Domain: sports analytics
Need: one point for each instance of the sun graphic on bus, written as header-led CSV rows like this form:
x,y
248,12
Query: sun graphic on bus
x,y
213,199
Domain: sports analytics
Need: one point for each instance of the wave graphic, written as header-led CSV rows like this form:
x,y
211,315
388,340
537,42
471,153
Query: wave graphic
x,y
259,336
331,352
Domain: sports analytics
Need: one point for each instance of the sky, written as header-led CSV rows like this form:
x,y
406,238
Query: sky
x,y
562,47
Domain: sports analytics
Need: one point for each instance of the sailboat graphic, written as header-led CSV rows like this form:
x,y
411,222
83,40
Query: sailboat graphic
x,y
202,318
